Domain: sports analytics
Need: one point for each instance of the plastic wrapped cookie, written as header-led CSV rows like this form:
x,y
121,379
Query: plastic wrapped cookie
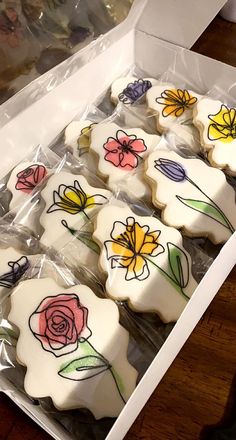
x,y
192,196
79,348
217,126
120,153
23,180
70,203
145,262
77,136
170,105
13,265
129,89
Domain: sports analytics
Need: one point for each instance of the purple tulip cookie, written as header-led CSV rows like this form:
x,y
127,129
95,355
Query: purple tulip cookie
x,y
145,262
217,126
73,347
193,196
121,152
130,89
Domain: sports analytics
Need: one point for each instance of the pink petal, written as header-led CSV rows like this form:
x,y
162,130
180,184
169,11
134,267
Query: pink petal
x,y
111,145
138,146
129,161
114,158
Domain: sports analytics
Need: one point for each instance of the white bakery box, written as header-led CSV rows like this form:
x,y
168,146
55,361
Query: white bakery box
x,y
154,37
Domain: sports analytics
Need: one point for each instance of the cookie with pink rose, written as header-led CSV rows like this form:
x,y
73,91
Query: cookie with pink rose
x,y
23,180
121,152
73,346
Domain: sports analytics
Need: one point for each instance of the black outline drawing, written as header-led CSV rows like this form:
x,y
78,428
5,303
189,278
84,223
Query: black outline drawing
x,y
231,127
39,336
167,168
23,179
180,103
130,94
18,268
77,189
124,148
125,242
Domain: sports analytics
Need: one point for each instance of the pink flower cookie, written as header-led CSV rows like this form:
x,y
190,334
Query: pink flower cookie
x,y
79,348
23,180
121,152
145,262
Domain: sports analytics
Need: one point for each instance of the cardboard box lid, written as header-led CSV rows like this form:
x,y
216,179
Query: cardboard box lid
x,y
178,21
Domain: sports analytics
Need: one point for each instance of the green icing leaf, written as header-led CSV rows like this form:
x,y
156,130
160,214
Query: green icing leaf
x,y
206,209
84,368
85,237
179,264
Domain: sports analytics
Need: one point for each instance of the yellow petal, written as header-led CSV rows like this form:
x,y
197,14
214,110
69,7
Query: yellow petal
x,y
148,248
139,237
120,249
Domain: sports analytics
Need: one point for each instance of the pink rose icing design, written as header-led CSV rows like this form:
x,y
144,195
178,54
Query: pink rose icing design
x,y
60,323
123,150
31,176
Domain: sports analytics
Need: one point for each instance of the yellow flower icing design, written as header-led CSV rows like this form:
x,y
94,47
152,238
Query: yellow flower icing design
x,y
84,138
223,125
130,247
73,199
175,102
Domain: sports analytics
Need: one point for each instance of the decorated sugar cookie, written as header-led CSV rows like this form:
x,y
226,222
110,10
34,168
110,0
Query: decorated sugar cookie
x,y
129,89
145,262
23,180
70,203
121,152
170,105
73,346
13,265
217,125
77,136
192,195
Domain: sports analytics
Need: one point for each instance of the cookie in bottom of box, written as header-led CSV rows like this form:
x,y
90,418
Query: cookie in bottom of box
x,y
73,346
146,262
192,196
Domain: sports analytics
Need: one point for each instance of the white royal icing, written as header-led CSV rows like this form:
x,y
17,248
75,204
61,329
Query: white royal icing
x,y
217,125
142,258
121,152
13,265
192,195
73,347
171,104
70,203
129,89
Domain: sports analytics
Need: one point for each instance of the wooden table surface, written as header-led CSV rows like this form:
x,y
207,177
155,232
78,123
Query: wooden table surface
x,y
199,389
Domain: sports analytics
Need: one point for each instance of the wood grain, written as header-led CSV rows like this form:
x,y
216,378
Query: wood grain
x,y
199,388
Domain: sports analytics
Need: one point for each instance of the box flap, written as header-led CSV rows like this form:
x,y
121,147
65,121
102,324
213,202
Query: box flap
x,y
180,22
